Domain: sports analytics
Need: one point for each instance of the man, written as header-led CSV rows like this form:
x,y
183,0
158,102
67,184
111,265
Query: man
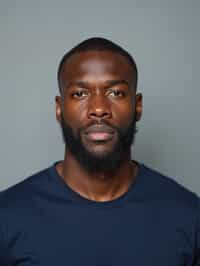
x,y
98,206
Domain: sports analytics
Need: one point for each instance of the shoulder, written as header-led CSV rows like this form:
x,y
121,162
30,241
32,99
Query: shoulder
x,y
23,192
177,206
18,207
162,188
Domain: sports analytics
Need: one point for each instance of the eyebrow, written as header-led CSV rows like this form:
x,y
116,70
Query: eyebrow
x,y
118,81
85,84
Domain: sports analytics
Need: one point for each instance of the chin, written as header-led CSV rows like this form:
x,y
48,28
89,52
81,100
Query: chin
x,y
99,151
100,155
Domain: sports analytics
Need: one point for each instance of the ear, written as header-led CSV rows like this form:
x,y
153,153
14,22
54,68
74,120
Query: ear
x,y
138,106
58,102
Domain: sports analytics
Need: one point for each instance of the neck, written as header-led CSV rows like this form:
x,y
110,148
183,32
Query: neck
x,y
99,186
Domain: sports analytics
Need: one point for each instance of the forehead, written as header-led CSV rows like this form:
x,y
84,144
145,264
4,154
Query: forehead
x,y
96,65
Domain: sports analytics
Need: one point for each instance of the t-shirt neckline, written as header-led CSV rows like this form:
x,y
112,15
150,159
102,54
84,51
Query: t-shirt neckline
x,y
75,197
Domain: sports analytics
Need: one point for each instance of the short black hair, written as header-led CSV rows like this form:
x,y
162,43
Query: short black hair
x,y
96,44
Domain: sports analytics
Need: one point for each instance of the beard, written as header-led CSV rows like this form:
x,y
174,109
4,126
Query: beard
x,y
91,162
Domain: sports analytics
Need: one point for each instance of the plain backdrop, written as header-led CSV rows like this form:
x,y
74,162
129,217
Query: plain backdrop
x,y
163,37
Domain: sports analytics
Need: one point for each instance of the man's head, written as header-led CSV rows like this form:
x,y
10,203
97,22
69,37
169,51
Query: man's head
x,y
98,107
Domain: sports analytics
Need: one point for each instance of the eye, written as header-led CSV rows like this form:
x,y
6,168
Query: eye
x,y
117,93
79,94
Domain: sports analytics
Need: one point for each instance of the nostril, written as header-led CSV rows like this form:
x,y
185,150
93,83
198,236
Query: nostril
x,y
100,114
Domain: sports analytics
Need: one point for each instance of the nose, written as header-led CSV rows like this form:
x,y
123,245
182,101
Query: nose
x,y
99,107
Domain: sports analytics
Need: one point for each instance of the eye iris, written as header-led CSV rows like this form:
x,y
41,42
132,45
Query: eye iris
x,y
117,93
79,94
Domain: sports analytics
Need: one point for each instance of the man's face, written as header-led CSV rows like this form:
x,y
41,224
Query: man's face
x,y
98,109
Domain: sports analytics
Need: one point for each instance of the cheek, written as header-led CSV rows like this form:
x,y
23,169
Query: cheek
x,y
124,113
73,113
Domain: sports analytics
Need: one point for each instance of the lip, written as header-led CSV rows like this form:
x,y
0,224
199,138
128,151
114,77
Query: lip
x,y
99,133
99,136
98,128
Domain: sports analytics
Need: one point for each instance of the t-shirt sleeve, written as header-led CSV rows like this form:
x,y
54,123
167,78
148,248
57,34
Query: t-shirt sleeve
x,y
197,249
5,259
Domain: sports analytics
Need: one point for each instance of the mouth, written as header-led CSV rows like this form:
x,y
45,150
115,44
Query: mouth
x,y
99,136
99,133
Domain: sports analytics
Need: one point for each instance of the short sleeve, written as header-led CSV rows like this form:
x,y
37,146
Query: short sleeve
x,y
197,237
5,259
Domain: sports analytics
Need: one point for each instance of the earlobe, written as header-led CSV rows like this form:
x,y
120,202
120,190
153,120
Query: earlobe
x,y
139,106
58,108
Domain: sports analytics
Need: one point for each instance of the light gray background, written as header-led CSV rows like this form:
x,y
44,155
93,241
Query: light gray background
x,y
162,35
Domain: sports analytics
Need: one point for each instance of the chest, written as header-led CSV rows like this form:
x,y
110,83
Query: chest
x,y
93,237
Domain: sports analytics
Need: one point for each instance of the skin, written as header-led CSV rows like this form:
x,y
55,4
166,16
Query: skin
x,y
98,85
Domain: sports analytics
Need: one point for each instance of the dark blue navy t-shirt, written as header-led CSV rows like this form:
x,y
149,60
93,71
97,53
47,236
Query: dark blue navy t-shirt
x,y
44,222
